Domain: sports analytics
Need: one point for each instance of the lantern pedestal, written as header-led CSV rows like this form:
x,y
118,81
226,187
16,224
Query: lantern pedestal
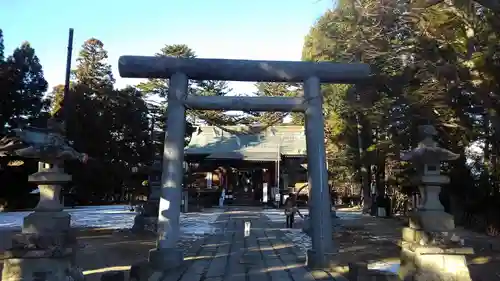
x,y
433,262
46,248
430,249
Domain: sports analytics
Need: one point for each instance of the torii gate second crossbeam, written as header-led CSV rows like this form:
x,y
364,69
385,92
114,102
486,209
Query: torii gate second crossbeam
x,y
180,70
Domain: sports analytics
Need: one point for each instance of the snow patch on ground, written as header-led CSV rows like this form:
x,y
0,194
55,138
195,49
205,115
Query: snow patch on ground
x,y
120,217
114,217
392,266
196,225
299,238
278,215
302,241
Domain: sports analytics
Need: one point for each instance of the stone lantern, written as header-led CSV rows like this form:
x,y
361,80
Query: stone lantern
x,y
147,217
430,248
46,247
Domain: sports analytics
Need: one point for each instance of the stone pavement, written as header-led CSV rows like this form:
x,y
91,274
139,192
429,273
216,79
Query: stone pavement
x,y
265,255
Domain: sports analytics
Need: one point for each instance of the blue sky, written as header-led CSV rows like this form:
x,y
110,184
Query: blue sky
x,y
235,29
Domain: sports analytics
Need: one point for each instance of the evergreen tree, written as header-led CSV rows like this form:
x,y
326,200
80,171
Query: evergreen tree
x,y
430,65
30,85
89,101
22,86
2,47
130,128
268,89
7,87
56,98
159,87
92,69
109,124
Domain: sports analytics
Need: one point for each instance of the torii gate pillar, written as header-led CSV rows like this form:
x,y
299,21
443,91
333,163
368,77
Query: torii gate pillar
x,y
178,70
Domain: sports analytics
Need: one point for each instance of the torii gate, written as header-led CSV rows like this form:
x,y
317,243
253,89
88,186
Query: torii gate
x,y
180,70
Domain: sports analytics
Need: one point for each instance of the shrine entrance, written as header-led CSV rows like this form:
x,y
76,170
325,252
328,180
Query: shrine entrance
x,y
180,70
254,164
247,188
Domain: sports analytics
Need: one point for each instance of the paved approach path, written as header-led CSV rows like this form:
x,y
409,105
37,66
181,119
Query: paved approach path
x,y
265,255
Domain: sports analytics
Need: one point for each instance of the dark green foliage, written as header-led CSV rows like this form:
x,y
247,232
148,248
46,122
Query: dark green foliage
x,y
110,125
2,47
438,65
92,70
113,126
431,66
22,89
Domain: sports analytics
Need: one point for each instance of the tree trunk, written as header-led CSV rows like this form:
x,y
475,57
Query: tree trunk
x,y
364,167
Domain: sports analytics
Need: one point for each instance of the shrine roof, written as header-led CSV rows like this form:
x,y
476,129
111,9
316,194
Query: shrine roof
x,y
288,140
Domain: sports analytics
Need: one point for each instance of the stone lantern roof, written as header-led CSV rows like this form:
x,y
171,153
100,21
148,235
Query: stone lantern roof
x,y
428,151
429,154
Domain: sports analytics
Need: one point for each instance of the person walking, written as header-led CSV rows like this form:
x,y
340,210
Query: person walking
x,y
290,210
222,197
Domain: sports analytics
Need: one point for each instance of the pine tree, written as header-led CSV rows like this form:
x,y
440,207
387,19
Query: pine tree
x,y
30,84
7,87
2,47
92,101
268,89
56,98
92,69
159,87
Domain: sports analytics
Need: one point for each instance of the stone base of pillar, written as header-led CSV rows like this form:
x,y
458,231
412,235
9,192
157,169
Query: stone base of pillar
x,y
45,250
307,228
326,261
165,259
144,223
159,263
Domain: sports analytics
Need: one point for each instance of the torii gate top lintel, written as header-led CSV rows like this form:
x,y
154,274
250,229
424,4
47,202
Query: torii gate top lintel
x,y
241,70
